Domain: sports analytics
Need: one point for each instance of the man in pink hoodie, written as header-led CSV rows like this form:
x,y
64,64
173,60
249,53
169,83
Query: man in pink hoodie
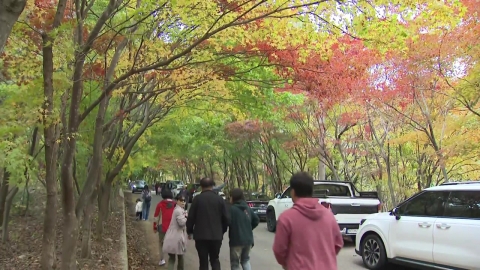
x,y
307,236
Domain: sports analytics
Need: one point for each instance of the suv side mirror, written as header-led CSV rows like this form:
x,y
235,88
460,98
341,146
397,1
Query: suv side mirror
x,y
395,213
278,195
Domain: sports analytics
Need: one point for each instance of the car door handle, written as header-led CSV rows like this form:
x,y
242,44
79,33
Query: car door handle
x,y
424,225
443,226
355,204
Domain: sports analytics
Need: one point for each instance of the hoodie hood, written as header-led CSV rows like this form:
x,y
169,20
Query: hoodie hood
x,y
310,208
242,205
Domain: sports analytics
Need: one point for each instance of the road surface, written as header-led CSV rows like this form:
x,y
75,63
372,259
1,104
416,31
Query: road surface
x,y
261,256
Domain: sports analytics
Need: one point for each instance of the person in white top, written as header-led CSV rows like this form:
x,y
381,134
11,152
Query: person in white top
x,y
138,209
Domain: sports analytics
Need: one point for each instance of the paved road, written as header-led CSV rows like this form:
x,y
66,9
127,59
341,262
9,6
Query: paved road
x,y
262,256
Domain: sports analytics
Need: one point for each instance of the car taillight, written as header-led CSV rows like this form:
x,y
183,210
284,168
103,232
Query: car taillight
x,y
250,204
327,205
379,207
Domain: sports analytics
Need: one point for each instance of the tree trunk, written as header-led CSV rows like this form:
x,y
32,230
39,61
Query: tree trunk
x,y
6,214
9,12
389,176
50,131
3,193
94,174
87,226
321,169
93,181
103,204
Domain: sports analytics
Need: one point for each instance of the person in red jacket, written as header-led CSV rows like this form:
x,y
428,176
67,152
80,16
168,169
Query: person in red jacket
x,y
162,218
307,236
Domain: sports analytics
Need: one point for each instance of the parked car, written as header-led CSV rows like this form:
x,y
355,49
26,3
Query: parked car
x,y
216,189
347,204
175,186
438,228
138,186
258,203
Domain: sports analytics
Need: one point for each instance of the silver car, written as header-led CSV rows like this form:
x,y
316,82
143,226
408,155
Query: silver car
x,y
138,186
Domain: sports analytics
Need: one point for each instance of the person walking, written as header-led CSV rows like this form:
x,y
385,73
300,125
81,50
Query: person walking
x,y
299,244
207,221
162,219
147,198
243,221
157,191
184,193
175,242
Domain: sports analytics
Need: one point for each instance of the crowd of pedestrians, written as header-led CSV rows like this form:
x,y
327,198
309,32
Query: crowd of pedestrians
x,y
307,236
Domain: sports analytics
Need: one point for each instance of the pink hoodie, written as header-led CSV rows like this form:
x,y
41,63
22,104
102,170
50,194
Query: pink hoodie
x,y
307,237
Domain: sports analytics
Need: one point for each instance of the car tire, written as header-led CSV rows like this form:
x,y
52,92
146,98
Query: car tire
x,y
373,252
271,221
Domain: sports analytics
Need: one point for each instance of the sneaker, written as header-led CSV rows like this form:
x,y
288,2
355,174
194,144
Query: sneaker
x,y
162,262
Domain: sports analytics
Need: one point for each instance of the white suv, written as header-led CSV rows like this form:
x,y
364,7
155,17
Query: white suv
x,y
438,228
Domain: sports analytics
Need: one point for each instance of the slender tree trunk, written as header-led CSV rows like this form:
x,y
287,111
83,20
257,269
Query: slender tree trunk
x,y
103,203
87,226
50,131
6,214
3,193
93,180
389,176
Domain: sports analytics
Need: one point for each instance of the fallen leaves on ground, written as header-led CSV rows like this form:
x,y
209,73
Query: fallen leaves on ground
x,y
23,250
139,256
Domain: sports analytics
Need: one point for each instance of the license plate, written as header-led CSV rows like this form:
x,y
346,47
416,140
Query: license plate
x,y
352,231
262,211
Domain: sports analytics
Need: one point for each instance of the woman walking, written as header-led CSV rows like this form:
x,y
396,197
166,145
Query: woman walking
x,y
175,243
162,219
147,198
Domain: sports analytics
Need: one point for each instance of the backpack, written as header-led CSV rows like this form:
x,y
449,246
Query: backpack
x,y
147,196
167,207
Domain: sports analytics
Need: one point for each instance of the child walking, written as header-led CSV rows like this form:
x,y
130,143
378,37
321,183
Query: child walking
x,y
175,242
138,209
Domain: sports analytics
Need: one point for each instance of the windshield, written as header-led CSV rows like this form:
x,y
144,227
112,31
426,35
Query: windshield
x,y
256,197
140,182
263,197
331,189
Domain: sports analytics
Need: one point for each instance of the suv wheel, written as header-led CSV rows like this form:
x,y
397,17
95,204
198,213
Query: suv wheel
x,y
271,221
373,252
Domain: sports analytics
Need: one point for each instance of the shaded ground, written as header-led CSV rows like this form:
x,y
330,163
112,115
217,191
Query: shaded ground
x,y
139,246
24,248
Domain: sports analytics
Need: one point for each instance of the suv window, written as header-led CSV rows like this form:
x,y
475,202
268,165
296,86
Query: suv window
x,y
286,193
429,203
463,204
333,190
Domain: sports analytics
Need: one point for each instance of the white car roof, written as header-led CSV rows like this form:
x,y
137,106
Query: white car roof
x,y
473,185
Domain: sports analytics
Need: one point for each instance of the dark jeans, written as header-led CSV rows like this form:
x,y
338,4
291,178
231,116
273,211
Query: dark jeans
x,y
206,249
146,210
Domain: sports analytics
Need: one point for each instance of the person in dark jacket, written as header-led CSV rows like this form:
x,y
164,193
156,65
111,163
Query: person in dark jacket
x,y
184,193
207,221
243,221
